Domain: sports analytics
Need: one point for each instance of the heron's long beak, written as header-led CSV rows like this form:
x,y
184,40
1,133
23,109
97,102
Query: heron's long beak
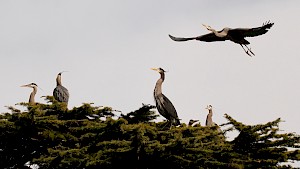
x,y
25,85
154,69
205,26
63,71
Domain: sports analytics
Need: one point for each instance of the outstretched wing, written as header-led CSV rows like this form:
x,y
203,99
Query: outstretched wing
x,y
251,32
210,37
180,39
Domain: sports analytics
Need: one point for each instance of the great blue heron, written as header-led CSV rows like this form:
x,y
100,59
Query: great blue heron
x,y
163,104
32,94
209,122
236,35
60,93
191,122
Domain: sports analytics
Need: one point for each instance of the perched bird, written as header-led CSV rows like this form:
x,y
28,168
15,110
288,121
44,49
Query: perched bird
x,y
163,104
32,94
191,122
236,35
60,93
209,122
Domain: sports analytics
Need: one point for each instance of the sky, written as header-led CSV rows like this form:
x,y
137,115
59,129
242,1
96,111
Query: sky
x,y
108,48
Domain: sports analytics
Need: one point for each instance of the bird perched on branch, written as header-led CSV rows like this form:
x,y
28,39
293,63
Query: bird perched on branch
x,y
163,104
32,94
60,93
191,122
209,122
236,35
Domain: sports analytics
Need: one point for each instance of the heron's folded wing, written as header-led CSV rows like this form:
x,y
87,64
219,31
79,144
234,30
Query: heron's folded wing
x,y
169,107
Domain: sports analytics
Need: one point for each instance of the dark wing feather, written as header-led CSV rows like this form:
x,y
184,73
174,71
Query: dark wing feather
x,y
251,32
210,37
180,39
166,108
61,94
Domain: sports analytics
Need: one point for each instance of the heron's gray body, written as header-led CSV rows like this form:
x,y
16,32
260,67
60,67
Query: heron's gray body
x,y
60,93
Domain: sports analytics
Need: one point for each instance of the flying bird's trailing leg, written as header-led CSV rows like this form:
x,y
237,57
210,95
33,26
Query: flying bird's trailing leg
x,y
248,50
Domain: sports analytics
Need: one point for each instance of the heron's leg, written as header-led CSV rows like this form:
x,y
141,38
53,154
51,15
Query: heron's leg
x,y
249,49
166,124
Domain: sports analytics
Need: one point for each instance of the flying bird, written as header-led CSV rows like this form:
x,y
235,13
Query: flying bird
x,y
32,94
209,122
60,93
236,35
163,104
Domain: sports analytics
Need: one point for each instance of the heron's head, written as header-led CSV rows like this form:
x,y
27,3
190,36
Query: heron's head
x,y
208,107
207,27
61,73
193,121
32,85
159,70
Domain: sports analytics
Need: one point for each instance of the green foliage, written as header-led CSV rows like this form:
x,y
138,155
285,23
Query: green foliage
x,y
53,137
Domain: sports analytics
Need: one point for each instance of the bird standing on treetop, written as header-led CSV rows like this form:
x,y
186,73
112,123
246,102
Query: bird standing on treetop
x,y
209,122
32,94
163,104
236,35
60,93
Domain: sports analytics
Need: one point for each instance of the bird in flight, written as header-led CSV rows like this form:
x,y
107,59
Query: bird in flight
x,y
236,35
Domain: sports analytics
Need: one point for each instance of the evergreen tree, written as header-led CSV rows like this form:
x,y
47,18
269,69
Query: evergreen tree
x,y
54,137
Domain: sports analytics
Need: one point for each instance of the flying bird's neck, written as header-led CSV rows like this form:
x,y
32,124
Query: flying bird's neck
x,y
221,33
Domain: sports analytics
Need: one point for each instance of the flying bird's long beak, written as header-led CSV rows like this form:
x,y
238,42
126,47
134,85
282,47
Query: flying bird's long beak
x,y
205,26
154,69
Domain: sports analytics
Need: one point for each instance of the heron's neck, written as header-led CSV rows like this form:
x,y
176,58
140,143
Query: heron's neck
x,y
222,33
159,83
209,118
58,80
210,112
31,97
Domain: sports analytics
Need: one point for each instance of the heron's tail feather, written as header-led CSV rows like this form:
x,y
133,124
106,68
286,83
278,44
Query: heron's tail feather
x,y
180,39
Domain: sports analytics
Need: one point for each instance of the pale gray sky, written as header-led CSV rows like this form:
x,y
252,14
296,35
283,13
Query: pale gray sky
x,y
108,48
